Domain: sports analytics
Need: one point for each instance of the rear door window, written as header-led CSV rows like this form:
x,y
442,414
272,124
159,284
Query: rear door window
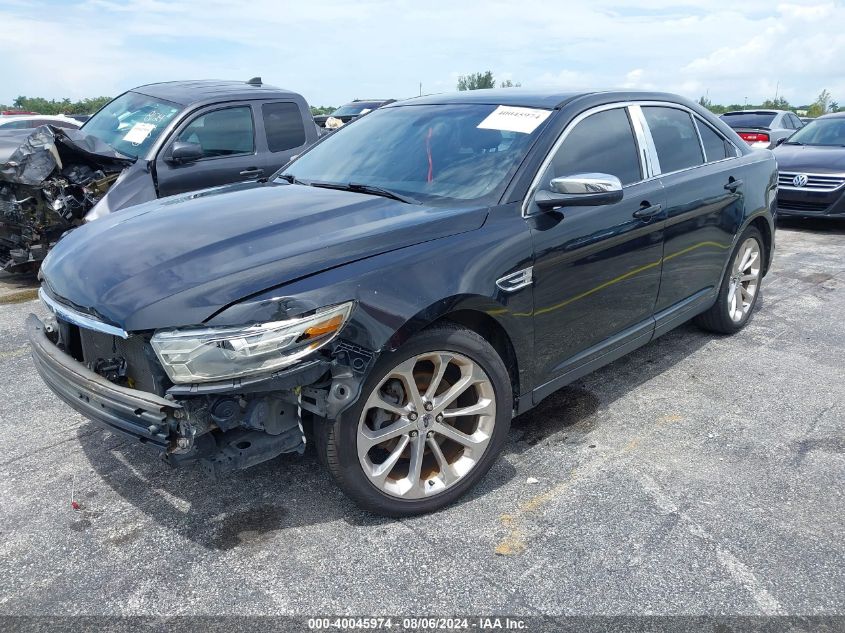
x,y
224,132
674,138
602,143
283,126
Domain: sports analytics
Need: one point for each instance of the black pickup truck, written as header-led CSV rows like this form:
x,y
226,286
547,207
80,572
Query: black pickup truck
x,y
153,141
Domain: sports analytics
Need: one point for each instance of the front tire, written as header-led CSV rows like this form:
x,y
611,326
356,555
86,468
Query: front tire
x,y
430,421
740,287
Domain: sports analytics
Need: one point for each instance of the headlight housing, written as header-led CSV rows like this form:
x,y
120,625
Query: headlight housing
x,y
207,354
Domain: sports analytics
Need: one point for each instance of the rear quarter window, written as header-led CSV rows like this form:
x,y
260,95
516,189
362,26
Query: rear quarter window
x,y
715,147
283,126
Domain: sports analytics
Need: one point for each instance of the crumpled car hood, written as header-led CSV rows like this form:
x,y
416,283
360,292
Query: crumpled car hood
x,y
29,156
176,261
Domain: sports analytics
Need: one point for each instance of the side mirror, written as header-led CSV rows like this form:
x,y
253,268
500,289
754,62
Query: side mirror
x,y
184,152
780,141
580,190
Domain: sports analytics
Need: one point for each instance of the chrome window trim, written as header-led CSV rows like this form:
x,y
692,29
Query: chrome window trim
x,y
78,318
643,134
650,170
649,147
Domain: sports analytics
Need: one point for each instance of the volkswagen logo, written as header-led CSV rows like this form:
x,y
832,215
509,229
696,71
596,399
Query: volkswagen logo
x,y
800,180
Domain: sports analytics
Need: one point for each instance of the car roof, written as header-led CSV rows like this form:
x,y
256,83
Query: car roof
x,y
547,99
833,115
197,91
497,96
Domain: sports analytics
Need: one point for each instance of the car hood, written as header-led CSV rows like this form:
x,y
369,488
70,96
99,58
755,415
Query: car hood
x,y
178,260
811,159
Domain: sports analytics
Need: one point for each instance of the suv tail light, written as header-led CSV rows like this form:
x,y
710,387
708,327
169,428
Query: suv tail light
x,y
754,137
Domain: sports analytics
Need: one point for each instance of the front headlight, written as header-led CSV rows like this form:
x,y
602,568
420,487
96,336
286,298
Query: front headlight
x,y
206,354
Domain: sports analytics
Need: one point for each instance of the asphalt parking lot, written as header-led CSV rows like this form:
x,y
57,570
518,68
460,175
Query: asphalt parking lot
x,y
700,475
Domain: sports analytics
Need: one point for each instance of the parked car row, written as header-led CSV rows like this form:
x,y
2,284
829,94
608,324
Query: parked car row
x,y
404,286
810,155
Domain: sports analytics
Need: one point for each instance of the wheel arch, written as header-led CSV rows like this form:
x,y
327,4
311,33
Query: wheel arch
x,y
766,231
477,314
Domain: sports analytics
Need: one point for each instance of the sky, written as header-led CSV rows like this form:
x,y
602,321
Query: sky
x,y
333,51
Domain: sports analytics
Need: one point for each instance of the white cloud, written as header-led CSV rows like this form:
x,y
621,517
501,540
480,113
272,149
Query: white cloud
x,y
334,50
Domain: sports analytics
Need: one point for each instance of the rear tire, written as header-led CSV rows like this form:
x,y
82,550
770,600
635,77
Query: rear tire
x,y
442,403
740,287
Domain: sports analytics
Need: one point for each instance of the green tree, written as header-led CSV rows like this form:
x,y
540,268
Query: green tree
x,y
821,105
777,104
63,106
507,83
315,110
476,81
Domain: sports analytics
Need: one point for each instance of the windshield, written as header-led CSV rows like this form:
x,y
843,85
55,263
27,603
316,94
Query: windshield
x,y
821,132
749,119
354,109
132,122
432,153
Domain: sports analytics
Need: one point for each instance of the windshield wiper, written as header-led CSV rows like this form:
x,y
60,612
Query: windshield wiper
x,y
792,143
292,179
364,188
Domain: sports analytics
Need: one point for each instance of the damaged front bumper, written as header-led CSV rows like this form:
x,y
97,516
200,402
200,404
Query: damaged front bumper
x,y
221,426
142,415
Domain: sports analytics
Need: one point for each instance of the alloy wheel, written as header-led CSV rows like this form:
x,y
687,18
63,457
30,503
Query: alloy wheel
x,y
426,425
744,280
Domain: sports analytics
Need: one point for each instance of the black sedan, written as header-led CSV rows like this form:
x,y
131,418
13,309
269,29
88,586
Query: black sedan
x,y
812,169
408,284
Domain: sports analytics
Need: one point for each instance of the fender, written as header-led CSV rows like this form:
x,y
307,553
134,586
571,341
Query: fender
x,y
400,292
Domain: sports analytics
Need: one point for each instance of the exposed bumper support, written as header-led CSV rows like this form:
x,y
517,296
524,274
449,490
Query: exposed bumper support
x,y
136,413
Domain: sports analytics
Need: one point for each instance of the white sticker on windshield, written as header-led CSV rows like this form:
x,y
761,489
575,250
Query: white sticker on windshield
x,y
513,119
139,132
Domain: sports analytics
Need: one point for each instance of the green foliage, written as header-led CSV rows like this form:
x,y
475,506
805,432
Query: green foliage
x,y
507,83
315,110
476,81
776,104
54,106
821,105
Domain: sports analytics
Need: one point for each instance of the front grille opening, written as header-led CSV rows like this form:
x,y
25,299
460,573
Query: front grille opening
x,y
800,205
126,362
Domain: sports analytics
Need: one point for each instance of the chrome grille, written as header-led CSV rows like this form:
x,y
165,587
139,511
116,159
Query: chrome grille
x,y
815,182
